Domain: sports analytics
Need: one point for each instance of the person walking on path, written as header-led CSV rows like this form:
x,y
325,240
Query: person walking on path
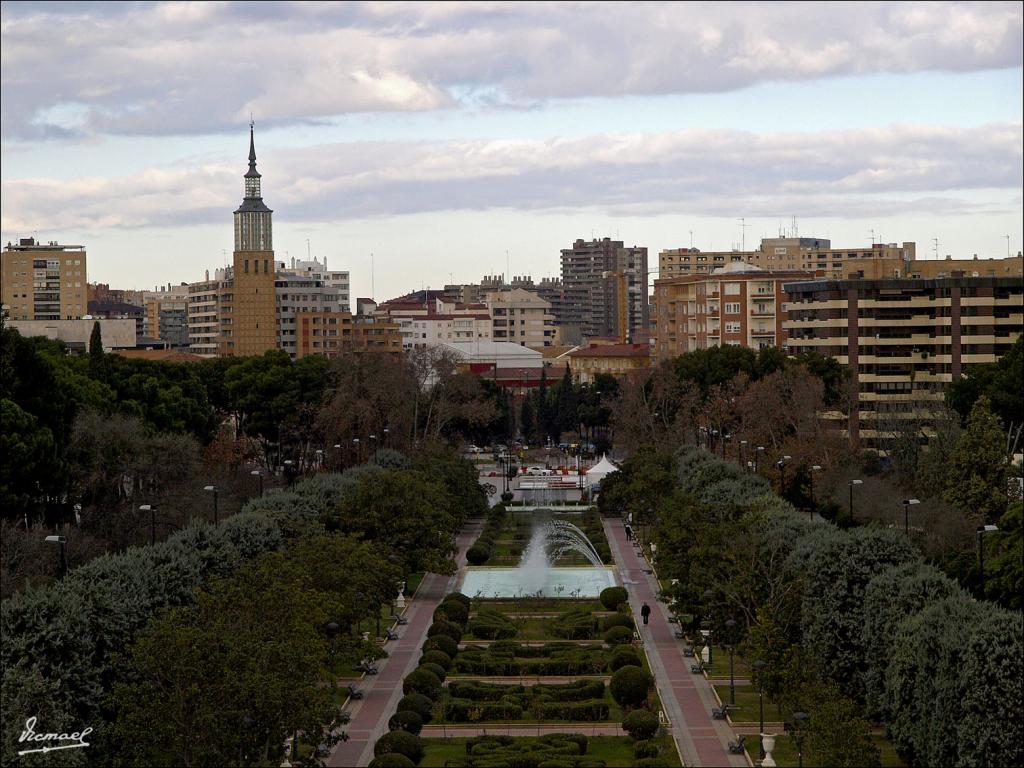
x,y
629,533
645,612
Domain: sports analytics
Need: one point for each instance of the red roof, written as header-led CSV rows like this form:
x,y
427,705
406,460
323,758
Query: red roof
x,y
613,350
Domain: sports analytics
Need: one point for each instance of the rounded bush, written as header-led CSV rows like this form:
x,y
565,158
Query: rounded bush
x,y
617,620
391,760
641,725
401,742
644,749
624,657
436,669
457,597
407,721
612,597
618,636
422,681
478,554
454,631
452,611
629,686
442,643
440,658
418,703
650,762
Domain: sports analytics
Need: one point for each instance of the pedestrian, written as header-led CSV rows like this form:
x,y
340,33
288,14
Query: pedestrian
x,y
629,533
645,612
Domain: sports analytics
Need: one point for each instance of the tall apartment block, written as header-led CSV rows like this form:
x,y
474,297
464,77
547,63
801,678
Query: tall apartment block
x,y
521,317
43,281
594,273
166,314
248,312
736,305
904,339
337,280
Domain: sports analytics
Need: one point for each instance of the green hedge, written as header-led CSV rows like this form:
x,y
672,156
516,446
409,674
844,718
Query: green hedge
x,y
488,624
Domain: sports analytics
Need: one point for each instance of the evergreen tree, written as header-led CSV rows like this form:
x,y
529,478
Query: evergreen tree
x,y
566,412
526,419
543,411
977,473
96,358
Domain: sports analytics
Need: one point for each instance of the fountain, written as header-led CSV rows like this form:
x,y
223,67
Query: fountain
x,y
536,574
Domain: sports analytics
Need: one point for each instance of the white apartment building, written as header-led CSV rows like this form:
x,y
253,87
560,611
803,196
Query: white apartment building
x,y
335,279
521,317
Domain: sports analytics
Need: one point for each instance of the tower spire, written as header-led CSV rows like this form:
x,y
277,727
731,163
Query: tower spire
x,y
252,147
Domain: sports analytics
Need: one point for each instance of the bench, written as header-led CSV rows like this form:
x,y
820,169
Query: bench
x,y
720,713
679,634
736,747
355,693
368,668
391,635
688,651
673,619
697,668
399,620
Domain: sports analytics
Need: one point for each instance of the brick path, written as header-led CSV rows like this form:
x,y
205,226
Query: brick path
x,y
383,690
686,698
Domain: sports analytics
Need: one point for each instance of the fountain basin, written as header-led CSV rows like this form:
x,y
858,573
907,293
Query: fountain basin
x,y
488,582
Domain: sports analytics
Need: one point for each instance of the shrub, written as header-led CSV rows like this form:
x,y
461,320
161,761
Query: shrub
x,y
424,682
452,611
575,691
436,669
454,631
442,643
440,658
391,760
624,657
578,624
629,686
641,725
613,597
478,554
618,636
491,625
642,749
457,597
401,742
592,710
617,620
651,762
408,721
418,703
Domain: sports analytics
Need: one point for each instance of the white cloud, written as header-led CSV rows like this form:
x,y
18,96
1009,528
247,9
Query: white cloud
x,y
200,67
882,171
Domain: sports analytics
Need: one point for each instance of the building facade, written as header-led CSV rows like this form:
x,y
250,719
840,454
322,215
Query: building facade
x,y
330,334
166,314
586,363
605,290
426,319
43,282
904,339
76,333
337,280
736,305
521,317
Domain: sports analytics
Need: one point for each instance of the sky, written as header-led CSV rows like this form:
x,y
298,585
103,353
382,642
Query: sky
x,y
424,143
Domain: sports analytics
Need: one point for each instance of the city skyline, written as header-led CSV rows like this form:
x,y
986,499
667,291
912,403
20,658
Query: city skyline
x,y
439,137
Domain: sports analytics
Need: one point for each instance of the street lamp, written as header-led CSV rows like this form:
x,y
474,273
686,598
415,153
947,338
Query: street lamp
x,y
853,484
814,468
337,455
258,474
982,530
759,666
152,521
906,514
781,464
743,452
213,490
63,557
731,626
799,718
757,457
373,450
319,452
709,596
359,453
387,441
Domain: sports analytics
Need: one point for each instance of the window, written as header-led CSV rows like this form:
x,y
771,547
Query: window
x,y
732,327
732,308
732,289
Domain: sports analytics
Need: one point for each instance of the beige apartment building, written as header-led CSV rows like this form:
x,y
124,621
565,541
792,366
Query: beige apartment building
x,y
813,254
736,305
330,334
904,339
43,282
521,317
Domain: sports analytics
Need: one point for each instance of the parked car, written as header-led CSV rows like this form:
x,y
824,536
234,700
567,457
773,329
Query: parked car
x,y
472,449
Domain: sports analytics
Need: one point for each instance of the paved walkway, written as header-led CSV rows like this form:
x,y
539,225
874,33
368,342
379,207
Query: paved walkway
x,y
370,715
686,698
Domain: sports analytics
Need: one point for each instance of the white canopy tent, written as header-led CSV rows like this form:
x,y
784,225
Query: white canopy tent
x,y
600,471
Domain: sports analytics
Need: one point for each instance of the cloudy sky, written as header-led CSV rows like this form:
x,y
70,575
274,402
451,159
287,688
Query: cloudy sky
x,y
452,139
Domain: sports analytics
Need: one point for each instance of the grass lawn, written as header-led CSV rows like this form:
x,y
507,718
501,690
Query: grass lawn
x,y
785,753
720,667
748,703
614,716
614,751
537,605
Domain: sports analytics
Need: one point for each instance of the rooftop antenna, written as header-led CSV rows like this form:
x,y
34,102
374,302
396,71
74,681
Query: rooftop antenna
x,y
935,246
1007,245
508,269
796,232
224,253
308,257
743,229
781,230
691,240
373,291
872,237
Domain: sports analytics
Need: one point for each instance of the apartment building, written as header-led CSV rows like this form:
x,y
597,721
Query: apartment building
x,y
43,281
330,334
736,305
521,317
336,280
426,319
299,293
166,314
605,290
904,339
585,363
783,253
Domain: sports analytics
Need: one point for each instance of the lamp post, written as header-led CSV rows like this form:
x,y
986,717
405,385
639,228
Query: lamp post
x,y
799,718
759,665
758,452
373,446
982,530
906,514
359,453
337,455
387,438
152,521
853,484
731,626
319,453
289,472
743,454
257,473
708,596
781,464
810,480
213,489
63,557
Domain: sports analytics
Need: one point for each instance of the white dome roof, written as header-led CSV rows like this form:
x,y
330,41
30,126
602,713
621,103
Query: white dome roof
x,y
734,267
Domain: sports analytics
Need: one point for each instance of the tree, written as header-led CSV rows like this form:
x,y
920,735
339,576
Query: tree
x,y
836,733
1001,382
977,475
527,423
1004,578
96,356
